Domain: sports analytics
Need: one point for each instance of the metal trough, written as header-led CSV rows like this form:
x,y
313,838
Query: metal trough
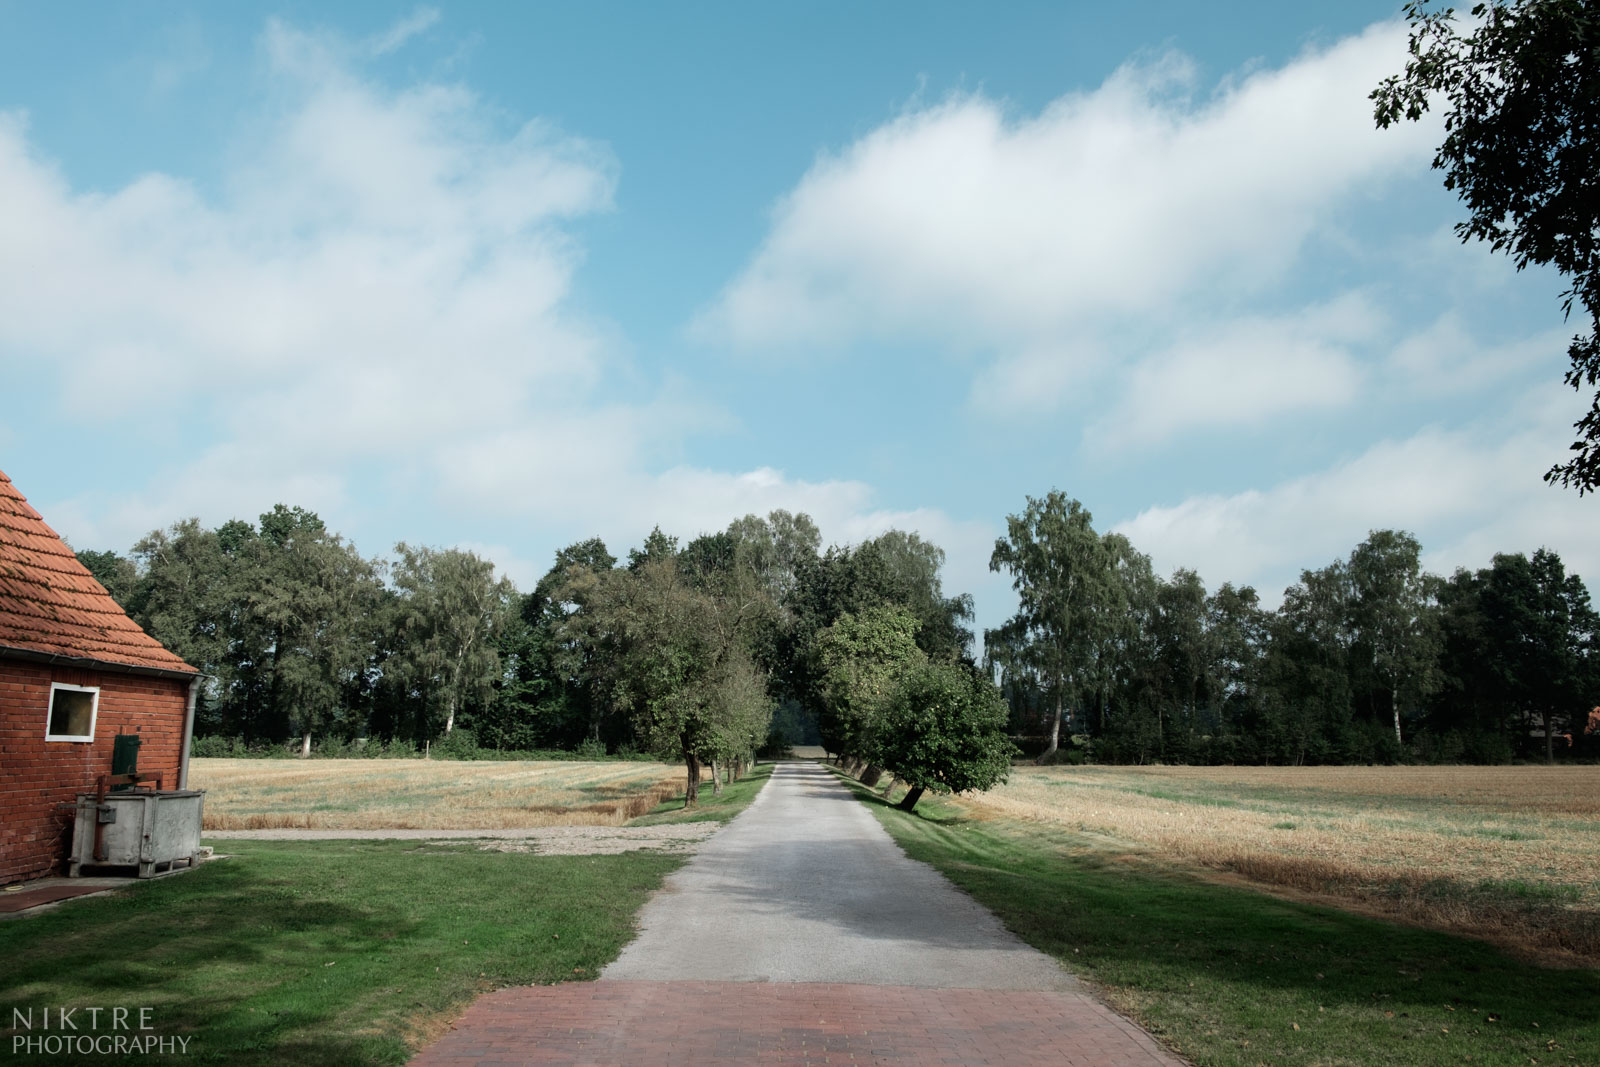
x,y
143,828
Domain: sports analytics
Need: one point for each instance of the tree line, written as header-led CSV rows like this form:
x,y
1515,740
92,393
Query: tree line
x,y
705,652
1369,659
756,637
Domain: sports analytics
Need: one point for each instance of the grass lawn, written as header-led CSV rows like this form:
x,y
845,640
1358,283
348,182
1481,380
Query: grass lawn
x,y
327,951
332,952
1230,975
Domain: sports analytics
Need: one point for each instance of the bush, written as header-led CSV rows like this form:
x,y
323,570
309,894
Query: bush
x,y
218,748
457,744
944,728
590,748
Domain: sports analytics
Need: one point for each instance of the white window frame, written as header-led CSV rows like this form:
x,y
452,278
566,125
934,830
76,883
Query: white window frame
x,y
94,711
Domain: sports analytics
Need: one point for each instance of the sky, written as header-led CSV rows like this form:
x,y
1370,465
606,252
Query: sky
x,y
505,277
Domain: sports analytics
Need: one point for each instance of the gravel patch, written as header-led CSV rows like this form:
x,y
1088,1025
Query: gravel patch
x,y
542,840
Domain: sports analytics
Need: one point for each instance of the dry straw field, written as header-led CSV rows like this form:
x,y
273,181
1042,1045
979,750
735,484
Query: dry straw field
x,y
1508,852
360,794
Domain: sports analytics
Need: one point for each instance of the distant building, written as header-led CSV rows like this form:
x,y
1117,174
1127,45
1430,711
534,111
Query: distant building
x,y
75,673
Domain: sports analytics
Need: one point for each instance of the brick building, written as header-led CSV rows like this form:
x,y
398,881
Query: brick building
x,y
75,672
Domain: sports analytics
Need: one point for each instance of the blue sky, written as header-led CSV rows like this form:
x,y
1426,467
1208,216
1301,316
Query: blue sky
x,y
506,276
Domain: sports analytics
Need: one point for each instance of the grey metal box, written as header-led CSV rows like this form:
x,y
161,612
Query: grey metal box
x,y
137,829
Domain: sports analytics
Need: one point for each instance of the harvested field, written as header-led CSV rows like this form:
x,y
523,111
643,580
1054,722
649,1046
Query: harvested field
x,y
247,794
1513,852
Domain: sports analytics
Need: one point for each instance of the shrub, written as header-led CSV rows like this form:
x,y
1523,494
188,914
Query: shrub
x,y
943,728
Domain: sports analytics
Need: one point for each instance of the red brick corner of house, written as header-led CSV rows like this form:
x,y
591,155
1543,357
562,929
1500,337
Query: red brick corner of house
x,y
75,671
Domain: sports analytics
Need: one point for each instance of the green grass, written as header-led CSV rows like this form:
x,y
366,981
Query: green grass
x,y
734,799
335,952
325,952
1226,974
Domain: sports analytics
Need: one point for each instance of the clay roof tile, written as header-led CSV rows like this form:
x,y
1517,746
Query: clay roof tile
x,y
51,604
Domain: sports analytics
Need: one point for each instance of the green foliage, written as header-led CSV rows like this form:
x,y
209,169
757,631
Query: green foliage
x,y
117,573
280,620
1521,138
671,656
686,652
943,728
451,613
861,660
1073,589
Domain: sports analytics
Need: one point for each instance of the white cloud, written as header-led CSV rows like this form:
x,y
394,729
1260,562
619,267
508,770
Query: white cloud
x,y
1466,493
402,31
384,277
1241,374
1446,357
377,306
963,223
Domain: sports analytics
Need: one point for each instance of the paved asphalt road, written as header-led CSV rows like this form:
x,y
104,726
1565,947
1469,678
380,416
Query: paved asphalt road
x,y
801,934
805,886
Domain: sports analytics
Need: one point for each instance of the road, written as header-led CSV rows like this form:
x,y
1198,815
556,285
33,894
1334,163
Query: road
x,y
806,886
801,933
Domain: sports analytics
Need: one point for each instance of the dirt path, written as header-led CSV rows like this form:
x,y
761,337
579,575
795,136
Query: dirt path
x,y
544,840
801,933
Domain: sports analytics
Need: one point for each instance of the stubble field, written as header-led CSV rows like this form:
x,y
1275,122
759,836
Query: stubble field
x,y
1512,853
359,794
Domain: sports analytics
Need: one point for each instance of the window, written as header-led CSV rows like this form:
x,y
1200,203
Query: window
x,y
72,712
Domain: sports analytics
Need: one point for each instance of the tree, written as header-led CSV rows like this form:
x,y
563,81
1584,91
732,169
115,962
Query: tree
x,y
117,573
1522,149
1067,587
777,547
1182,656
1305,700
944,729
453,610
1394,617
672,660
1541,635
548,697
896,570
314,594
1235,638
861,659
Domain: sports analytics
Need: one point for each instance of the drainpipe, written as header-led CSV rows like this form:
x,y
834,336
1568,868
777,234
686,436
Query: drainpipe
x,y
188,734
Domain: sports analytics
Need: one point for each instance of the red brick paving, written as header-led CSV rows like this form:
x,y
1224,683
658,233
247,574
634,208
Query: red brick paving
x,y
615,1022
21,900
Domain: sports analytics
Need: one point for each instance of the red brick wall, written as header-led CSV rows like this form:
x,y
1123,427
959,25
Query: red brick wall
x,y
37,775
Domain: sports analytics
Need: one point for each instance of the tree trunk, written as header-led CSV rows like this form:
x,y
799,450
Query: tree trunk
x,y
911,798
727,772
1394,702
716,779
1055,736
691,792
305,745
1549,738
889,787
450,719
870,776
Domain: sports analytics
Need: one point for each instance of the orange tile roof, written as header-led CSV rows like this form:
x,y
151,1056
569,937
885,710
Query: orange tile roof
x,y
51,604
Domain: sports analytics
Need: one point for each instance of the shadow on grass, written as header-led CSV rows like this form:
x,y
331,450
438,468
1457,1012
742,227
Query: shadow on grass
x,y
322,952
712,807
925,810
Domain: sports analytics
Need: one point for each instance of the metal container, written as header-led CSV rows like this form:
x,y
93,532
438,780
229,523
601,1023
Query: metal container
x,y
137,828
